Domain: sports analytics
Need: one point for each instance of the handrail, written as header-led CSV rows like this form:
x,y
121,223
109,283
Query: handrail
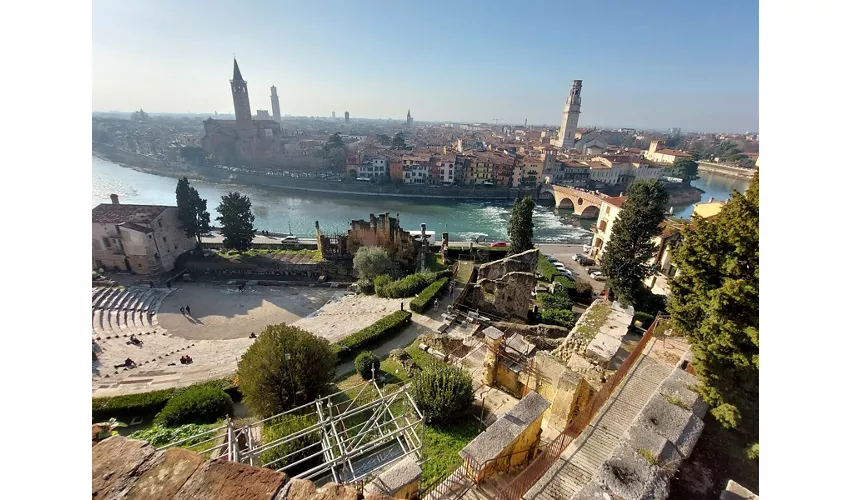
x,y
535,470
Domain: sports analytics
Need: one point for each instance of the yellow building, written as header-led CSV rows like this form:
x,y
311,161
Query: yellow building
x,y
532,170
605,224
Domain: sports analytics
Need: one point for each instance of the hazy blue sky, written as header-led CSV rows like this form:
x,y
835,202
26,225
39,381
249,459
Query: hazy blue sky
x,y
655,64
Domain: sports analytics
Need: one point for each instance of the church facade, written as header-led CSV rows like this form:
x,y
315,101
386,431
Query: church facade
x,y
245,139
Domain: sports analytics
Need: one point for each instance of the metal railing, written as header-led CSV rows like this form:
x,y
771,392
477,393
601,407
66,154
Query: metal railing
x,y
544,461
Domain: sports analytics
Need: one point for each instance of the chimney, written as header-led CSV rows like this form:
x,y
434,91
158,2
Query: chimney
x,y
114,198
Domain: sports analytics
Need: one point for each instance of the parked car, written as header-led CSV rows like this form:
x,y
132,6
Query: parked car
x,y
208,234
567,274
559,266
551,259
591,270
577,256
290,240
585,261
498,244
586,248
598,276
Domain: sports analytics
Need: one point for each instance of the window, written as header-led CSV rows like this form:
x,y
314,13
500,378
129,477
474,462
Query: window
x,y
608,209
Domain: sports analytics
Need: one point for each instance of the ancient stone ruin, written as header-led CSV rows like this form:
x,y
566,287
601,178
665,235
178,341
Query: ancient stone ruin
x,y
381,231
504,287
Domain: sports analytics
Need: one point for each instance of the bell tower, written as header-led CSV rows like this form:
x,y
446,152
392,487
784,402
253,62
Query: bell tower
x,y
239,89
569,120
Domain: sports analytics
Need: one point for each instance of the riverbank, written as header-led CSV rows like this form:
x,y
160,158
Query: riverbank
x,y
154,166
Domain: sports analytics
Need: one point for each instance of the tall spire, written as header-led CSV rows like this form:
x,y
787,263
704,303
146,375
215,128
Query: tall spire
x,y
408,114
237,75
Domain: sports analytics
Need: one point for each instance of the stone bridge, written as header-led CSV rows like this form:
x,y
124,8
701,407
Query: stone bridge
x,y
585,204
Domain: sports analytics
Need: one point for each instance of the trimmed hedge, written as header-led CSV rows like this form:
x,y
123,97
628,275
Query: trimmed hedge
x,y
645,319
546,269
148,404
385,326
406,287
197,405
426,297
365,286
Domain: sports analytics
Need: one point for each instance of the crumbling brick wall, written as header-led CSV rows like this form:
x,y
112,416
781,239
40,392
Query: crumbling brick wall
x,y
504,286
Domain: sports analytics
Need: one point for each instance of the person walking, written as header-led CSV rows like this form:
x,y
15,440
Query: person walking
x,y
402,305
182,310
168,284
188,311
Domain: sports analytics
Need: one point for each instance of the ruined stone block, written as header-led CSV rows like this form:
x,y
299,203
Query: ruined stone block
x,y
679,426
296,489
659,449
220,479
402,476
676,389
164,478
593,491
630,476
115,460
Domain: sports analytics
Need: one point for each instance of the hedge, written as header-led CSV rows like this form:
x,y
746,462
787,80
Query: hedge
x,y
385,326
406,287
426,297
148,404
364,362
546,269
645,319
197,405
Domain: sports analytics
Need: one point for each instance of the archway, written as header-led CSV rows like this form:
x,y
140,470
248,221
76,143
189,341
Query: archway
x,y
588,212
566,204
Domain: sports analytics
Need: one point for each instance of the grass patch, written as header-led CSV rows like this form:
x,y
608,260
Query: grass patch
x,y
420,357
592,319
652,459
442,444
673,400
432,263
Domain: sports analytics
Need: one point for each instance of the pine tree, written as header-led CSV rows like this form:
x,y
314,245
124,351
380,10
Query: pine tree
x,y
192,210
685,169
627,255
714,299
237,221
520,226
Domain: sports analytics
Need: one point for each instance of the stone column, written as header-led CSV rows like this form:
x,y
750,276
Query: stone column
x,y
493,337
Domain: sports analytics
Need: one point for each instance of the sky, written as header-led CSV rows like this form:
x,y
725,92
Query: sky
x,y
651,64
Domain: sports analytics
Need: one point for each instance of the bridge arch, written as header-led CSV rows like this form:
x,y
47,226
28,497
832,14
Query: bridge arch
x,y
585,204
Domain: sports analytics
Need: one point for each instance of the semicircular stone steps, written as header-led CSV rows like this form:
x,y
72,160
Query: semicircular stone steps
x,y
120,312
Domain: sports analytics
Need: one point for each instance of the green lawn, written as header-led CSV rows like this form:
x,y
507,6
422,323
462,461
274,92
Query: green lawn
x,y
442,444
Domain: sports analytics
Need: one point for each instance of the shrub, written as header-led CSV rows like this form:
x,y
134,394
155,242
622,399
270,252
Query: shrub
x,y
442,392
304,445
372,261
408,286
158,435
558,317
380,282
148,404
197,405
555,301
426,297
270,382
546,269
645,319
565,284
364,362
365,286
581,290
385,326
753,451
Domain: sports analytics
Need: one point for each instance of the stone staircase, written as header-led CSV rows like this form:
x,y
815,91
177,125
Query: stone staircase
x,y
583,457
120,312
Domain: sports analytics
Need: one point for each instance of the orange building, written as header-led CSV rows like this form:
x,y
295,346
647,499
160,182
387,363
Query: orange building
x,y
396,171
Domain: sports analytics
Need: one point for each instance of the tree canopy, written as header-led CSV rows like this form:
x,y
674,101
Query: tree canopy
x,y
520,225
192,210
685,169
371,261
384,139
285,362
237,221
627,255
714,299
398,141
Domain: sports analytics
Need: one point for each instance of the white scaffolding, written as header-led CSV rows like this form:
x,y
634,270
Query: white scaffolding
x,y
355,436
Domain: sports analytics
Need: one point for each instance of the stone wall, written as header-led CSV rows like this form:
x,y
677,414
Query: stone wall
x,y
381,231
133,469
504,286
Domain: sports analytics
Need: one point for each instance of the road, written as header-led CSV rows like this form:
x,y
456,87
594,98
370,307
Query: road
x,y
275,240
564,254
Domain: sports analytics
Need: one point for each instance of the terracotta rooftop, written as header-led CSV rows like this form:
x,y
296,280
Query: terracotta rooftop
x,y
673,152
617,201
110,213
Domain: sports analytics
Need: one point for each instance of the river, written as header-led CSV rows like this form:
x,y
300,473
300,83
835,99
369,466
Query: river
x,y
277,211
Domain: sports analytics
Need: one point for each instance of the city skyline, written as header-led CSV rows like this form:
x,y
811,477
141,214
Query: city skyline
x,y
632,79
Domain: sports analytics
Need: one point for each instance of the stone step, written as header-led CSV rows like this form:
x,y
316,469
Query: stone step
x,y
113,299
104,299
97,293
134,301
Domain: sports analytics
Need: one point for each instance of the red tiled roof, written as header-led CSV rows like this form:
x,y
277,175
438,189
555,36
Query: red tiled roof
x,y
110,213
673,152
617,201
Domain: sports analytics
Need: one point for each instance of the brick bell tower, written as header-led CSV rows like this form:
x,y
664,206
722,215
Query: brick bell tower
x,y
239,89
